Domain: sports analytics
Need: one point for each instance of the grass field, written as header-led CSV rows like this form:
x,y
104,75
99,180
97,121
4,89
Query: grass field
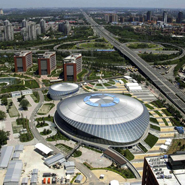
x,y
16,128
32,84
35,97
13,112
151,140
164,120
149,106
154,120
155,127
177,145
45,108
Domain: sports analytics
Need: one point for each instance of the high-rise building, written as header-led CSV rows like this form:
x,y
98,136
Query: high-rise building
x,y
1,12
8,31
46,63
165,169
165,18
149,16
43,26
180,17
111,18
64,27
24,23
72,66
122,19
31,31
23,61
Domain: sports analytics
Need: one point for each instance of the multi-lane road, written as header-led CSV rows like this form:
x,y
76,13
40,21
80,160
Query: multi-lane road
x,y
176,96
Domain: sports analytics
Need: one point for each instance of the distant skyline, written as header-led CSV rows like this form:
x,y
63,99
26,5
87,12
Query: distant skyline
x,y
179,4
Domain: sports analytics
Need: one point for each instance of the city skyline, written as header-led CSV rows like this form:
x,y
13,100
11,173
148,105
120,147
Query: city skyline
x,y
179,4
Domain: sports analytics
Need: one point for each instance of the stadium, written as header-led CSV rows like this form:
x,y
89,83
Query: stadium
x,y
111,119
57,91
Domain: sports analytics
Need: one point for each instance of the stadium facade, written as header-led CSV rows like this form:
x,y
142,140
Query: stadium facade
x,y
111,119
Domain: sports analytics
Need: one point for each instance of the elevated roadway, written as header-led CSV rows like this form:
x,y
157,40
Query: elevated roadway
x,y
176,96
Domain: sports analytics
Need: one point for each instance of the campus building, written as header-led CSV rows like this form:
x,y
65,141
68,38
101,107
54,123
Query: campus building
x,y
23,61
72,66
111,18
111,119
162,170
46,63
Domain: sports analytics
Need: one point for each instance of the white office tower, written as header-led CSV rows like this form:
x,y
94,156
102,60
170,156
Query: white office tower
x,y
8,32
43,26
6,22
24,23
24,33
32,31
165,17
38,29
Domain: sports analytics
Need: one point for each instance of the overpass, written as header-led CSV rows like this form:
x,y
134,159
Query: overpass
x,y
176,96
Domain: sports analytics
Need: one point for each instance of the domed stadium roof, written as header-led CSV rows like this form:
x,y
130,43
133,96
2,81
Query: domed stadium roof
x,y
111,117
62,89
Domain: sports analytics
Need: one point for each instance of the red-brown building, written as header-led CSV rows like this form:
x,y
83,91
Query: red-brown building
x,y
23,61
46,63
72,66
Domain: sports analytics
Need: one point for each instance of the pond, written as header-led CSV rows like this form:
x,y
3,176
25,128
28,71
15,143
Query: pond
x,y
9,81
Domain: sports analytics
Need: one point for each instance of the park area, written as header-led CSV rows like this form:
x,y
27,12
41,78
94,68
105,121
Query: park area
x,y
11,109
45,108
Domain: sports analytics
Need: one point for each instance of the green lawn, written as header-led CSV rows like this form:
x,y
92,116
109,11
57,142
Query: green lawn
x,y
149,106
158,113
46,82
151,140
45,108
164,120
35,96
47,97
154,120
142,147
48,118
58,136
81,74
155,127
126,153
166,112
12,110
16,128
32,84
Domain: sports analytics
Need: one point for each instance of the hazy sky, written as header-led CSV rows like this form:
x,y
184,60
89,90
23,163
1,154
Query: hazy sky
x,y
92,3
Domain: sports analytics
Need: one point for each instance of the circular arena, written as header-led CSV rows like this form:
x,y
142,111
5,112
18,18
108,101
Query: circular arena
x,y
57,91
111,119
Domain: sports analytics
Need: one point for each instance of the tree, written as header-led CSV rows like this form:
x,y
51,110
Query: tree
x,y
3,137
2,115
4,101
24,104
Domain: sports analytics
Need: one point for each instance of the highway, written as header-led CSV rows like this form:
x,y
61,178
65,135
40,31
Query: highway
x,y
176,96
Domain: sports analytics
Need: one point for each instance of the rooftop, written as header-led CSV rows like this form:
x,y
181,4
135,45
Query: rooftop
x,y
72,58
22,53
178,157
6,153
13,173
54,159
169,177
46,55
